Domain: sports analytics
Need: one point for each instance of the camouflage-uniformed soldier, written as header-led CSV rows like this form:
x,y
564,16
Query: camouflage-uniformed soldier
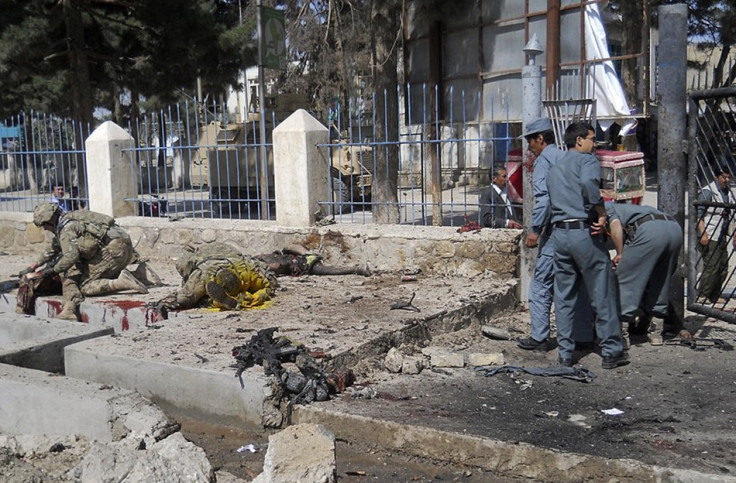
x,y
93,251
220,276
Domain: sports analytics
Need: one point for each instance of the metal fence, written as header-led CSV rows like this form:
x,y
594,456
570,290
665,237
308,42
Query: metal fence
x,y
198,160
42,158
711,280
203,161
207,162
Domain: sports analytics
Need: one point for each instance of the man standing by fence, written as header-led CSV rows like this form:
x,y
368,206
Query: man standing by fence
x,y
714,233
578,220
496,209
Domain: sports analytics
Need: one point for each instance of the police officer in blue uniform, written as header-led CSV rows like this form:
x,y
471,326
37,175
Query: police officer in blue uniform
x,y
578,219
541,140
647,244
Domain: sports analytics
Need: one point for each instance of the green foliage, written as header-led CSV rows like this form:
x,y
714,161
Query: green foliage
x,y
136,49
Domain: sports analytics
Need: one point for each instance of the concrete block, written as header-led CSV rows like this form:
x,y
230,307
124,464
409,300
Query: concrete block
x,y
299,174
486,359
303,452
110,180
35,403
119,315
37,343
169,461
447,359
412,365
393,360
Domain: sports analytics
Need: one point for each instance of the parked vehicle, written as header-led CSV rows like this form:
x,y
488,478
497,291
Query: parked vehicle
x,y
230,163
352,173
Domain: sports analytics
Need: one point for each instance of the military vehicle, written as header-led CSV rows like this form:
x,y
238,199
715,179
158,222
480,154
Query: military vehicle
x,y
351,172
230,163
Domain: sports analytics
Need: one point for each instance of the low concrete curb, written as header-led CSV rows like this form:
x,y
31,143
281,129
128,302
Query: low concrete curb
x,y
37,343
501,458
119,315
215,396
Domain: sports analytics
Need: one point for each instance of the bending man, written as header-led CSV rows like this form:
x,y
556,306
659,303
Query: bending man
x,y
647,243
91,252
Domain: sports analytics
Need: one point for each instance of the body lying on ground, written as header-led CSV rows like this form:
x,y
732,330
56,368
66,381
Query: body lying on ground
x,y
217,275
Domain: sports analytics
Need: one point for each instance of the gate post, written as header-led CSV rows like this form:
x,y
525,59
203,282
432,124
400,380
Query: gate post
x,y
671,131
300,169
110,178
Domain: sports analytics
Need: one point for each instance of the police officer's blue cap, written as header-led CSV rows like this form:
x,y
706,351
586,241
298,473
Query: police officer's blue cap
x,y
538,126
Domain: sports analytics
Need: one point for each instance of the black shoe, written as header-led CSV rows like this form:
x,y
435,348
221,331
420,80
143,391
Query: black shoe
x,y
564,362
612,362
530,344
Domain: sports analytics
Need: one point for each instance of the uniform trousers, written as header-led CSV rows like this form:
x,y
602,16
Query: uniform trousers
x,y
582,260
541,295
646,268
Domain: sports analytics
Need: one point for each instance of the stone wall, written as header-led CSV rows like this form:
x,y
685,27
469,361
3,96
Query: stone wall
x,y
434,250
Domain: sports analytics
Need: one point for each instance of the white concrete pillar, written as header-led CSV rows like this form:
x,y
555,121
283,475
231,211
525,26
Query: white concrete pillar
x,y
110,175
300,169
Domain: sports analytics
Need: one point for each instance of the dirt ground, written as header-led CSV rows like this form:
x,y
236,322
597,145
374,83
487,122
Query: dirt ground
x,y
678,407
677,403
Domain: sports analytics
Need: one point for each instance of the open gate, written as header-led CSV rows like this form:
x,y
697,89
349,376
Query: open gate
x,y
711,254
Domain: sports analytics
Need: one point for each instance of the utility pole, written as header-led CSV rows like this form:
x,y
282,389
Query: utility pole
x,y
553,46
262,110
672,131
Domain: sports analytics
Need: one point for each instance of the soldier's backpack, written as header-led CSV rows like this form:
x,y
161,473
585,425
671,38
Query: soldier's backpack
x,y
96,224
194,256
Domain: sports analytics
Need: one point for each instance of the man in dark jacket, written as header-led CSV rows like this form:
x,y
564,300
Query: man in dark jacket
x,y
495,207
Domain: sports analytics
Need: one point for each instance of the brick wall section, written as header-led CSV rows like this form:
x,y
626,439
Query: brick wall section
x,y
434,250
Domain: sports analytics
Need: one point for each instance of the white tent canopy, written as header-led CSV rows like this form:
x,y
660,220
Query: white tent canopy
x,y
603,82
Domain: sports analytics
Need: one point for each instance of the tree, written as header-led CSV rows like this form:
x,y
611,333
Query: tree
x,y
333,42
384,41
69,56
712,23
329,47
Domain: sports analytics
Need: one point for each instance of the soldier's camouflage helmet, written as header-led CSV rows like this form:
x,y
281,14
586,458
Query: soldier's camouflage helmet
x,y
185,266
44,213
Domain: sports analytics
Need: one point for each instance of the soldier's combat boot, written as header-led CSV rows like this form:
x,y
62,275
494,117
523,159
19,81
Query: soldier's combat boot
x,y
126,281
145,274
68,312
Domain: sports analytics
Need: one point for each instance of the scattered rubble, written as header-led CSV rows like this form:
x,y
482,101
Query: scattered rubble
x,y
171,460
486,359
303,452
495,333
393,360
